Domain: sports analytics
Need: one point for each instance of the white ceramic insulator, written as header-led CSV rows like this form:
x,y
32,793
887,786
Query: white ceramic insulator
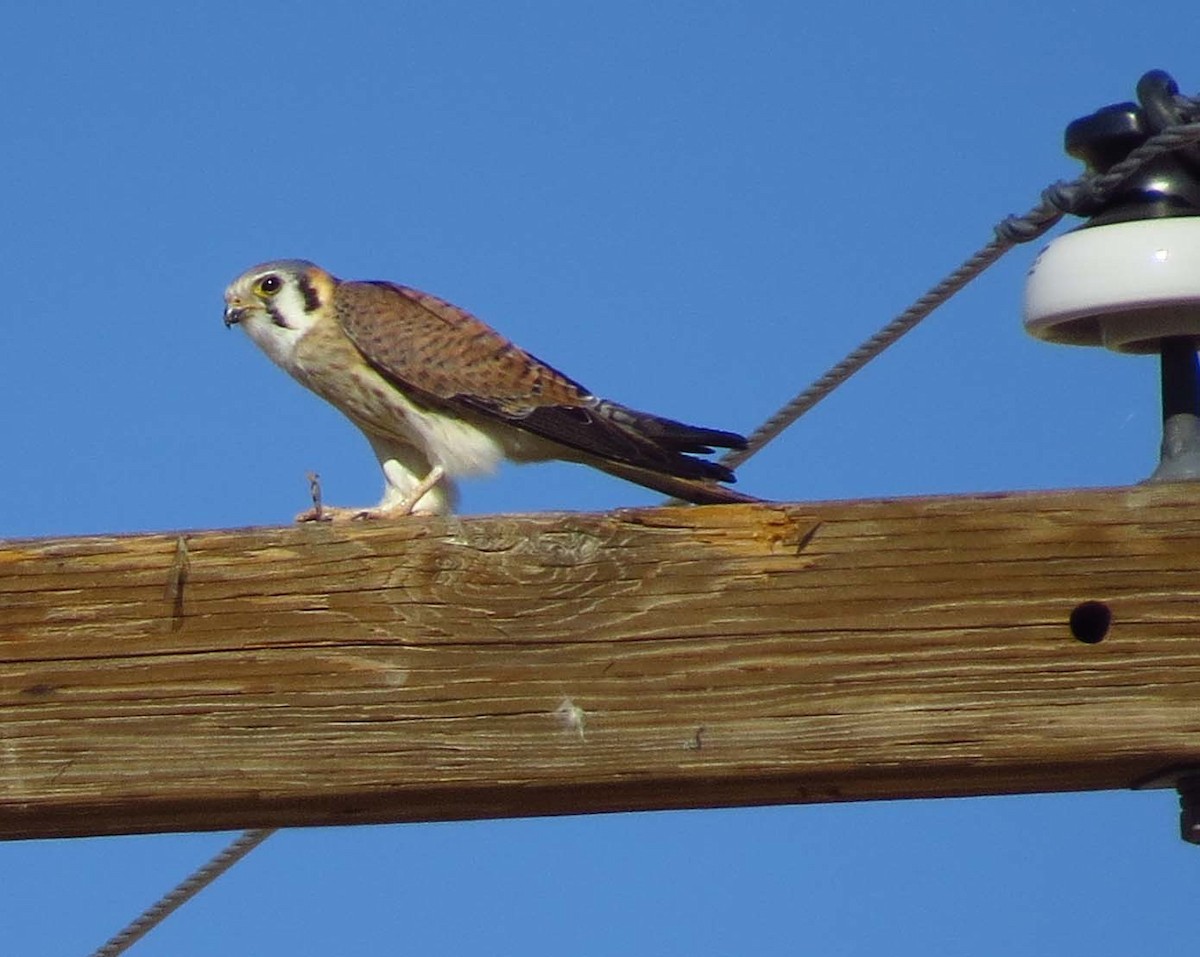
x,y
1124,286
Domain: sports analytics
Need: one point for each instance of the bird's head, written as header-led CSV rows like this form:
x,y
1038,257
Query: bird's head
x,y
277,302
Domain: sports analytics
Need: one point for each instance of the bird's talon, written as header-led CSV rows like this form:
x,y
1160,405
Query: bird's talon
x,y
328,513
313,515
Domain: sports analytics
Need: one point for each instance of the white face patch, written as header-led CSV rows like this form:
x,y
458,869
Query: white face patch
x,y
277,342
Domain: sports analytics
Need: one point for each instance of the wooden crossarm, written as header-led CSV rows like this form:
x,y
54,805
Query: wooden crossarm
x,y
555,664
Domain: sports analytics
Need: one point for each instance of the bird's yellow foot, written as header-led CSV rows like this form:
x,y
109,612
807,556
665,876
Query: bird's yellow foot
x,y
334,513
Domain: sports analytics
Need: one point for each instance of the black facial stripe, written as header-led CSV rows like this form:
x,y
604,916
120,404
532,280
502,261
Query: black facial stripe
x,y
276,316
312,300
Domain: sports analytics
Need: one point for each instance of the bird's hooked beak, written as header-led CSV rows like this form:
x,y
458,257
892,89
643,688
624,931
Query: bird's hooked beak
x,y
234,313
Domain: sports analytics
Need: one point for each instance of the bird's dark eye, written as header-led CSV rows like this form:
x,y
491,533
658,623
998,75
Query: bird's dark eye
x,y
269,285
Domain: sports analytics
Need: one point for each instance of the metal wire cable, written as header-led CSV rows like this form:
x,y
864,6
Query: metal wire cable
x,y
1059,199
183,892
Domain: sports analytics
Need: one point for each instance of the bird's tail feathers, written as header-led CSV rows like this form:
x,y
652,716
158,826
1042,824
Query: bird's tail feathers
x,y
698,491
673,436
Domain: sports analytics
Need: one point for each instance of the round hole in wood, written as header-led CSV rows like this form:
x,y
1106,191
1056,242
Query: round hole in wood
x,y
1090,620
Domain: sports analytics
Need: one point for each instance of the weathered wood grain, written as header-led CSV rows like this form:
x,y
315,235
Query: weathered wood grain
x,y
675,657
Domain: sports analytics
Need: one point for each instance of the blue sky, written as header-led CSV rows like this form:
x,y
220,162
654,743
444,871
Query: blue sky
x,y
693,208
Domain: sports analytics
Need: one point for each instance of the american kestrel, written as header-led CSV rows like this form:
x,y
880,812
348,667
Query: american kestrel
x,y
439,394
